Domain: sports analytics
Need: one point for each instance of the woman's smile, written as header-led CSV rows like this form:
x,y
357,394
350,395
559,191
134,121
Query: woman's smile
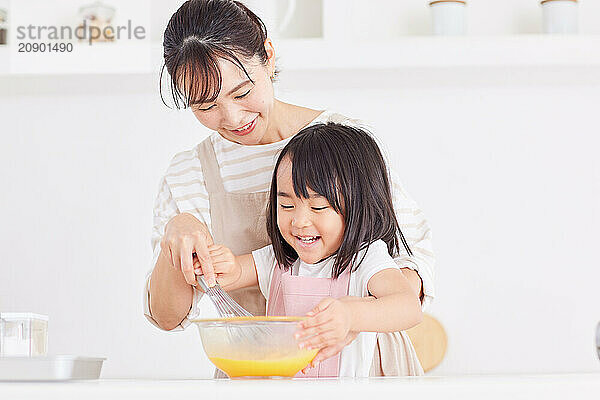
x,y
246,129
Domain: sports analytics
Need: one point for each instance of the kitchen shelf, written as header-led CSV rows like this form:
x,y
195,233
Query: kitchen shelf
x,y
514,51
436,52
443,52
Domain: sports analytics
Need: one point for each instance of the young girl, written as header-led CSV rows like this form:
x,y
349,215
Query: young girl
x,y
333,232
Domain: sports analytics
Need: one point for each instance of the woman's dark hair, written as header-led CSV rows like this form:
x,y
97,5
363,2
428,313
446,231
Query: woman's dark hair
x,y
199,34
344,165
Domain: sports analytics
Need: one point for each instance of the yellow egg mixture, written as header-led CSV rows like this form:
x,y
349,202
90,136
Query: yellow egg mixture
x,y
284,366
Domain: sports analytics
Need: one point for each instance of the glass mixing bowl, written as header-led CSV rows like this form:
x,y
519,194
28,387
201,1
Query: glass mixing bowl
x,y
254,347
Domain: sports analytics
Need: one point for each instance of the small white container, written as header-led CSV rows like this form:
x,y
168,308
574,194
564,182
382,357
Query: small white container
x,y
449,17
23,335
560,16
50,368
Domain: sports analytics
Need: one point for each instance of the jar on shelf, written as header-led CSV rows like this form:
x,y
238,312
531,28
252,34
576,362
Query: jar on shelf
x,y
98,15
448,17
276,14
560,16
3,26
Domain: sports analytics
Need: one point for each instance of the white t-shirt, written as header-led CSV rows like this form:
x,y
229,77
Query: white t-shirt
x,y
357,357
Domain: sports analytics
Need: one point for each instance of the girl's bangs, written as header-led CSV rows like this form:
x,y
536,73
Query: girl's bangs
x,y
319,176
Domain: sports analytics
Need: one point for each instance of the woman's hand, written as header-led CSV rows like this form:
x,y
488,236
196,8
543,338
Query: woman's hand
x,y
227,270
184,236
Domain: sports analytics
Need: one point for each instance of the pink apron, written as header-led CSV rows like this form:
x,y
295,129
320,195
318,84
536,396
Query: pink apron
x,y
296,295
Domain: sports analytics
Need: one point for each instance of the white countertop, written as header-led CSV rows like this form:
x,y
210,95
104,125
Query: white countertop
x,y
559,386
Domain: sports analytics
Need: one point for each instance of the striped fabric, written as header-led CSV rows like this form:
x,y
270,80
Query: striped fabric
x,y
249,169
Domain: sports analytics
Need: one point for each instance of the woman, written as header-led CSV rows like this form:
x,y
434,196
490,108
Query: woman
x,y
222,66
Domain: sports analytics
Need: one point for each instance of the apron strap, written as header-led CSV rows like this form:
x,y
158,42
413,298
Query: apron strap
x,y
210,167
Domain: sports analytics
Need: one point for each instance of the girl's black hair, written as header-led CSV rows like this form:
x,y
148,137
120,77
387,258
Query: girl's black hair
x,y
343,164
199,34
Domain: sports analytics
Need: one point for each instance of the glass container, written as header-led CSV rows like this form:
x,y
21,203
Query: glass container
x,y
254,347
23,334
98,15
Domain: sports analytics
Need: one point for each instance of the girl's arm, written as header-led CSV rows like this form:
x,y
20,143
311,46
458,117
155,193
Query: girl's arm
x,y
415,281
392,307
395,307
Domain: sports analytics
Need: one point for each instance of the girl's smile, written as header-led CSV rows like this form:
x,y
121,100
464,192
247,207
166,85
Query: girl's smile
x,y
307,242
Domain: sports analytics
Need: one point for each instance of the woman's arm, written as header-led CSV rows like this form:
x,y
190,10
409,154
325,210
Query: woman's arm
x,y
175,237
170,287
418,268
170,296
167,298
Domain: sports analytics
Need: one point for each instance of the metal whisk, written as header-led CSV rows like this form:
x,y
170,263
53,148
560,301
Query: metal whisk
x,y
226,306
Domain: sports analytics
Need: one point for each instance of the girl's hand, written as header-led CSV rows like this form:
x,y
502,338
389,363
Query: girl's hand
x,y
184,236
227,270
330,351
327,325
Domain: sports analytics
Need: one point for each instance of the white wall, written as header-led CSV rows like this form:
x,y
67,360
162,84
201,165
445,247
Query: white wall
x,y
503,162
506,173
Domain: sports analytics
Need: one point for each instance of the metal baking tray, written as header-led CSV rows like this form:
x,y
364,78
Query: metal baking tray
x,y
49,368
